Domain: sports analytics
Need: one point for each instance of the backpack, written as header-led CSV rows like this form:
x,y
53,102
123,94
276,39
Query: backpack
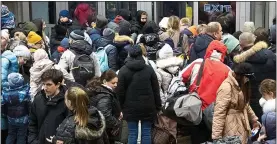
x,y
176,85
83,68
103,58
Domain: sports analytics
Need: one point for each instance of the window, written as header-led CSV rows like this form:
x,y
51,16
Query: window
x,y
112,7
73,4
45,10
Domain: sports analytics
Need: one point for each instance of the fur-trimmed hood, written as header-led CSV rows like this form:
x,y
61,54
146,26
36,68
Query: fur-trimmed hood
x,y
268,105
95,128
250,52
171,64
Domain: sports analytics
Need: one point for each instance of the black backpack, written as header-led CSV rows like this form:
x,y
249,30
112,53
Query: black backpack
x,y
83,68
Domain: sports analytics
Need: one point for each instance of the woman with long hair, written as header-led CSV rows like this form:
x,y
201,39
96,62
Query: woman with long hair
x,y
173,30
232,112
103,97
84,125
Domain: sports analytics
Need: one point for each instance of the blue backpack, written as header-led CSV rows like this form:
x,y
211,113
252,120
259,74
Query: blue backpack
x,y
103,58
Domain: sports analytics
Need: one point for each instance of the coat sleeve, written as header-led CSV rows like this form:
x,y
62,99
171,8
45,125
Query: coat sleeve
x,y
33,126
96,64
66,75
186,73
251,115
63,63
4,74
105,106
222,103
112,58
121,89
156,90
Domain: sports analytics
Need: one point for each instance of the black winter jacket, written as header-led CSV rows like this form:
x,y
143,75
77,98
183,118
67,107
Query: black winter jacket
x,y
106,101
264,67
70,133
45,116
138,90
152,45
200,46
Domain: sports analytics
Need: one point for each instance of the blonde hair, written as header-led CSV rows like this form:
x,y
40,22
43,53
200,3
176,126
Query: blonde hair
x,y
213,27
202,28
185,21
247,37
173,25
267,86
79,102
143,49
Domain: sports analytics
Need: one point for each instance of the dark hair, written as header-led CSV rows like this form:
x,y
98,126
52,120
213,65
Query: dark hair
x,y
108,76
54,75
240,70
225,23
262,35
237,34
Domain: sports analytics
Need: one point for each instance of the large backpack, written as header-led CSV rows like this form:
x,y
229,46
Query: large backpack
x,y
83,68
103,58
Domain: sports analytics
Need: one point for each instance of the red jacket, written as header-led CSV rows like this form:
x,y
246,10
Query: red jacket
x,y
214,73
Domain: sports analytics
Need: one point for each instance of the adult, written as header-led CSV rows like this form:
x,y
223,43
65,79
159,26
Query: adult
x,y
105,100
96,32
48,109
232,112
141,19
7,18
137,84
263,63
61,30
248,27
213,32
273,36
173,31
262,35
84,125
80,16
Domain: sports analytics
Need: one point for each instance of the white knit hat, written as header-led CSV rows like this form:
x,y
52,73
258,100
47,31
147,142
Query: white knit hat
x,y
5,34
22,51
163,23
166,52
248,27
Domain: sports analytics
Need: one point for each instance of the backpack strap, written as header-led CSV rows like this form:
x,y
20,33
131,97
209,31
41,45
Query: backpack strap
x,y
200,72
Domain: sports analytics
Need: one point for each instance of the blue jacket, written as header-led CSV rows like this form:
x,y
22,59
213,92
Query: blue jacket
x,y
16,104
111,52
269,121
9,65
94,34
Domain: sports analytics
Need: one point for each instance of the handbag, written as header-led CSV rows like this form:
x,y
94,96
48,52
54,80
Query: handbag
x,y
228,140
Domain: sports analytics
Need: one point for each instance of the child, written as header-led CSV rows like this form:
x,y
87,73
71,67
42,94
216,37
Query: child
x,y
268,131
16,99
60,49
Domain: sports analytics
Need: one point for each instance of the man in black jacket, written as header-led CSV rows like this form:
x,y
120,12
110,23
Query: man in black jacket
x,y
139,95
48,109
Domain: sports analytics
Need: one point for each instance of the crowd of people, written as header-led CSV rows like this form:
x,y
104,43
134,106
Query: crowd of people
x,y
95,80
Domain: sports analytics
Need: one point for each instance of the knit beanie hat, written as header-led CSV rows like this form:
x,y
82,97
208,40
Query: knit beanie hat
x,y
65,43
40,54
22,51
166,52
5,34
248,27
108,34
64,13
231,42
163,22
15,80
7,18
124,28
80,35
135,51
101,21
33,38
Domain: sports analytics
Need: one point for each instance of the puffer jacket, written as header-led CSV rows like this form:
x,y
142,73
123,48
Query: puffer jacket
x,y
263,62
138,91
81,47
16,101
94,34
106,101
111,52
167,68
200,46
269,122
9,65
211,78
70,133
122,45
231,114
38,68
152,44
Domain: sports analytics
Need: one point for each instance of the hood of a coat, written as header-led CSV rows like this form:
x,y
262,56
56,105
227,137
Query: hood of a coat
x,y
102,42
149,39
268,105
150,27
125,13
269,121
187,32
172,64
11,57
260,56
95,128
38,68
81,47
135,64
103,89
202,42
217,46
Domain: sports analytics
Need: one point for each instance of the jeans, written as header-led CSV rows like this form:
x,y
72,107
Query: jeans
x,y
17,133
146,127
